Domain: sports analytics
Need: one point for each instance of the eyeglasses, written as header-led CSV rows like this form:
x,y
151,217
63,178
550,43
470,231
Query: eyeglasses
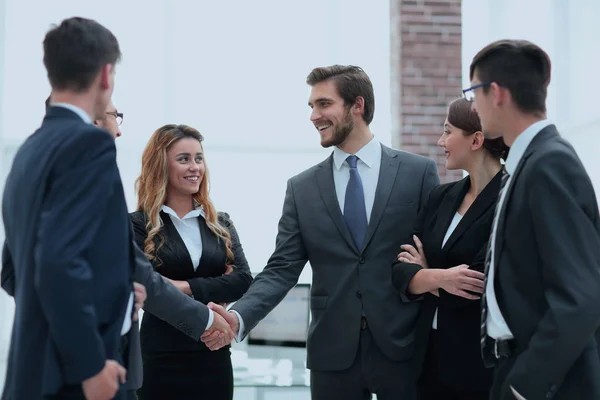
x,y
469,93
118,116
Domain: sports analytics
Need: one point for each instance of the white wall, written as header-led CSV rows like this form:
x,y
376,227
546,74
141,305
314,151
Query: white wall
x,y
569,32
234,70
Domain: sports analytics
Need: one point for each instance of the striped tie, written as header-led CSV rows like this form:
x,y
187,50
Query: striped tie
x,y
488,263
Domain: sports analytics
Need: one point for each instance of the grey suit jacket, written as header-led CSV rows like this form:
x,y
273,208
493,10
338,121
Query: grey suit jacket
x,y
346,280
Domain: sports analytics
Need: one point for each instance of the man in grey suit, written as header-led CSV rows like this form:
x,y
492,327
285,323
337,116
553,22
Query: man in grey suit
x,y
348,216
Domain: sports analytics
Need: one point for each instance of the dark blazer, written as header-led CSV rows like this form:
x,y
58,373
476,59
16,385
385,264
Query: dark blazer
x,y
460,363
548,274
68,236
207,283
346,280
163,300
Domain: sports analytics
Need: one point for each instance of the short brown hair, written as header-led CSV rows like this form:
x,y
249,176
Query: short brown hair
x,y
350,82
518,65
462,116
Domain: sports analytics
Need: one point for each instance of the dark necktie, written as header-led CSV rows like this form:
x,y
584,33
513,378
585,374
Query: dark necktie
x,y
355,212
488,262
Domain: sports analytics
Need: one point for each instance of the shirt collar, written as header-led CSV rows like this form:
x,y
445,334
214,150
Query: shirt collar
x,y
521,143
369,154
82,114
198,212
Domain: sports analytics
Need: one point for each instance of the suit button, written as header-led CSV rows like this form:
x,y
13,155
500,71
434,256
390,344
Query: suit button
x,y
358,294
361,260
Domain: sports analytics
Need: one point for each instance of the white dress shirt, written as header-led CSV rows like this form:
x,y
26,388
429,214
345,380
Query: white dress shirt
x,y
86,118
82,114
455,221
189,230
496,324
368,165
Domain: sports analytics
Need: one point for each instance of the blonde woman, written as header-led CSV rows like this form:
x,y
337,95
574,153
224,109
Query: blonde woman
x,y
199,251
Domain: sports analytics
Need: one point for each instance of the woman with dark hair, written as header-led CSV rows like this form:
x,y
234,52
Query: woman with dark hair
x,y
443,267
195,248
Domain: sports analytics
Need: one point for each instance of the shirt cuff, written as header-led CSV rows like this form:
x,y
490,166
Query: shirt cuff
x,y
240,333
517,395
211,318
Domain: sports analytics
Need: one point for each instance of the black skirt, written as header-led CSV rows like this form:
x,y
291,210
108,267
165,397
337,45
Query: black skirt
x,y
193,375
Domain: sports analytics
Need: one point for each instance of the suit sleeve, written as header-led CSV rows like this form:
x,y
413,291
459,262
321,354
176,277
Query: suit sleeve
x,y
83,180
402,273
282,270
564,212
8,271
225,288
164,300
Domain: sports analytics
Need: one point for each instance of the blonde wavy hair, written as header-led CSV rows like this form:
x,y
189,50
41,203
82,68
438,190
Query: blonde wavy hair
x,y
151,187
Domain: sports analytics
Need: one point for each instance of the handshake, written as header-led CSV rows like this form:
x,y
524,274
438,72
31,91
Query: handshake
x,y
223,330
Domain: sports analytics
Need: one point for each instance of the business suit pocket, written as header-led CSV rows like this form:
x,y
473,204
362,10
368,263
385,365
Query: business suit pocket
x,y
318,302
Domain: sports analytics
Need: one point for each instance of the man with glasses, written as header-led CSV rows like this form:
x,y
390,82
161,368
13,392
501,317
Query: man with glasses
x,y
540,310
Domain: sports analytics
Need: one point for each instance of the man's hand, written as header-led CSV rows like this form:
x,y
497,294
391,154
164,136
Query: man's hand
x,y
139,292
223,330
105,384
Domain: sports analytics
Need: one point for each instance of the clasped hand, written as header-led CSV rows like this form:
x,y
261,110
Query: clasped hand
x,y
223,329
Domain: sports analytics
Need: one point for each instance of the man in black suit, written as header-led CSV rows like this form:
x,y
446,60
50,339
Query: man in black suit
x,y
540,311
164,300
68,232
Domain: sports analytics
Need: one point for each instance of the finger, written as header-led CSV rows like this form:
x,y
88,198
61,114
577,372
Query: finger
x,y
418,243
473,288
466,295
478,283
410,249
474,274
211,336
403,259
122,374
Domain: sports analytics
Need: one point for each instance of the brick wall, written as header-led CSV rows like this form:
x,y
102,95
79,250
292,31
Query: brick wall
x,y
426,74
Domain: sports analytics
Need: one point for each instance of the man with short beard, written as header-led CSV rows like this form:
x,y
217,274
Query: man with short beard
x,y
347,216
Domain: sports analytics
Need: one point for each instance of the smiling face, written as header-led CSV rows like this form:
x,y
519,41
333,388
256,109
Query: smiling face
x,y
185,167
330,116
457,147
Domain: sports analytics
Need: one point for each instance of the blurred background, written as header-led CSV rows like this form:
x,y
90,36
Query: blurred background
x,y
236,71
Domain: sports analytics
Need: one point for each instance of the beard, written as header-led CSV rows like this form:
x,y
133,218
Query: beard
x,y
340,132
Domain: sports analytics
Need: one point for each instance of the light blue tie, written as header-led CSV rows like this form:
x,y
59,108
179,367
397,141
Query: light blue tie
x,y
355,212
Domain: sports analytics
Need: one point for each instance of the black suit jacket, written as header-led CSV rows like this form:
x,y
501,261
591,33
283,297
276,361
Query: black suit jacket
x,y
548,273
68,235
460,364
207,282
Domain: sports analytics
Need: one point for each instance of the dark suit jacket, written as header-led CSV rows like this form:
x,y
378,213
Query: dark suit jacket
x,y
207,283
459,359
548,273
163,300
346,280
68,235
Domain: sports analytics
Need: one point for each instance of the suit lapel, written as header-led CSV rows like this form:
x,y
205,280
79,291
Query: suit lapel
x,y
545,134
486,199
448,207
388,171
324,177
174,242
209,241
